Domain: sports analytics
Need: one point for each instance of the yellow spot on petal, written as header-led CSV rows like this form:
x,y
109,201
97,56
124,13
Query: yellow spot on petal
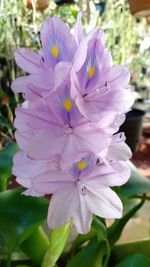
x,y
91,72
55,51
82,165
68,105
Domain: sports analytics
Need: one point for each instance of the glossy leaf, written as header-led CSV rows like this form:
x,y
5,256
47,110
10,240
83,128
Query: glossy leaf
x,y
100,228
36,245
91,255
19,216
6,160
135,260
58,239
137,184
81,239
120,251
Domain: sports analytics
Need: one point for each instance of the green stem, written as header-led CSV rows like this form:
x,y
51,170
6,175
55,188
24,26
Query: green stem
x,y
36,245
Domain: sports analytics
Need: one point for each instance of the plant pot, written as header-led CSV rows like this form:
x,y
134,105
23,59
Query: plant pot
x,y
100,6
132,127
62,2
140,8
40,4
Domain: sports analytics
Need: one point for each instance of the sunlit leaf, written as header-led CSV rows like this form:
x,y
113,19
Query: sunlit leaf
x,y
58,239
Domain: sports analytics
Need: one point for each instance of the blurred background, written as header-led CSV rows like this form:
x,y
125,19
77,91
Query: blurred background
x,y
127,27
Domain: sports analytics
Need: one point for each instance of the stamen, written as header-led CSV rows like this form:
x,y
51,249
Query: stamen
x,y
68,105
91,71
83,190
55,51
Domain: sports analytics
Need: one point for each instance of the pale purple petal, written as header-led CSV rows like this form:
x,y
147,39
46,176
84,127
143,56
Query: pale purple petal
x,y
57,41
103,202
78,30
118,149
51,181
81,53
62,70
82,217
62,206
28,60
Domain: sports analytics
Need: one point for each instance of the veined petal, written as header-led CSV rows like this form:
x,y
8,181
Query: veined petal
x,y
116,76
34,118
82,50
114,174
97,59
82,217
34,86
118,149
51,182
103,202
78,31
62,206
46,143
57,41
62,105
26,169
28,60
23,138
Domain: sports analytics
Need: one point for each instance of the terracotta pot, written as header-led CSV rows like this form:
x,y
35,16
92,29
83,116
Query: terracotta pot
x,y
40,4
140,8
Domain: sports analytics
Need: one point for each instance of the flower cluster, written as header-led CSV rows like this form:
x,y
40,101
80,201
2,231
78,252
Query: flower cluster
x,y
76,100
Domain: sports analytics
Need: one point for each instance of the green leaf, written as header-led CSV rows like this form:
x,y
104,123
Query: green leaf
x,y
36,245
6,160
137,184
135,260
91,255
114,232
100,228
120,251
58,239
81,239
20,215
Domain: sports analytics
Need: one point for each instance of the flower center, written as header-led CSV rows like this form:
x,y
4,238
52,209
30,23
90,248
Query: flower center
x,y
55,51
68,105
91,71
82,165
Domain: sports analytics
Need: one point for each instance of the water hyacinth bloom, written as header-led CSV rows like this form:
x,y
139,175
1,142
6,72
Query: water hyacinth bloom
x,y
77,101
84,189
99,88
58,45
57,128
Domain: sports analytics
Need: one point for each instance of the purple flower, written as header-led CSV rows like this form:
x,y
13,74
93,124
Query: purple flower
x,y
84,189
58,45
99,88
67,131
57,128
